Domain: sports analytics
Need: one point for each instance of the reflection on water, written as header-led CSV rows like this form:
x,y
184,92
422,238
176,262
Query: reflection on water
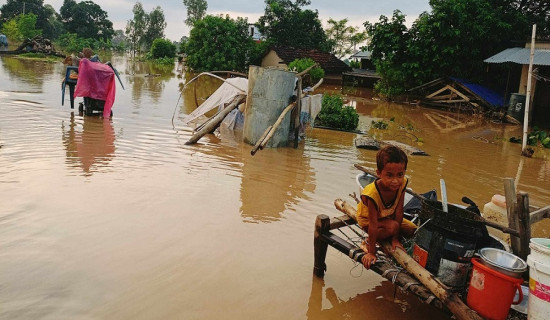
x,y
205,231
27,71
384,300
91,146
289,175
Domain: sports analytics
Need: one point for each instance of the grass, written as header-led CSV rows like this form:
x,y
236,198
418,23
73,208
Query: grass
x,y
38,56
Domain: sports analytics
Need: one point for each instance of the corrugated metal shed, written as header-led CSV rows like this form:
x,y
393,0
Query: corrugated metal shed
x,y
361,55
521,56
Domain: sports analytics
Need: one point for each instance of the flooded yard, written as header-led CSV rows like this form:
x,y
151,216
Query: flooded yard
x,y
118,219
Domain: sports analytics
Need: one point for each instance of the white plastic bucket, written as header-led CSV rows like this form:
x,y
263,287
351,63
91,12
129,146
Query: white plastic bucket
x,y
539,279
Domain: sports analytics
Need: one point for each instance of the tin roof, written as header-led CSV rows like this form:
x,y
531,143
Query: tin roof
x,y
361,55
521,56
490,96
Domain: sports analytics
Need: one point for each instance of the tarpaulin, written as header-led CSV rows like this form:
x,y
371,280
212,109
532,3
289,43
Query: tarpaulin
x,y
96,80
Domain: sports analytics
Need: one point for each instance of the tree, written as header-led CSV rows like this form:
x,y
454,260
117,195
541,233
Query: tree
x,y
13,8
217,43
163,48
21,27
135,28
86,19
119,40
155,26
285,23
343,38
388,41
196,10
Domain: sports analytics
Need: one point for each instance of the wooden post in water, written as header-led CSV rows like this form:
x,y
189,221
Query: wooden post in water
x,y
524,224
322,225
511,210
269,91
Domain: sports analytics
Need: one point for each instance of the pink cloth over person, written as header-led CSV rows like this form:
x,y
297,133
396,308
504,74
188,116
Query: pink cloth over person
x,y
96,80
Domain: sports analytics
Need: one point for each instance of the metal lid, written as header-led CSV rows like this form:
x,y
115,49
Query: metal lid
x,y
500,259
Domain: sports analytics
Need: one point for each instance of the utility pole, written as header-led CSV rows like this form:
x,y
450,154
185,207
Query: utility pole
x,y
24,8
528,96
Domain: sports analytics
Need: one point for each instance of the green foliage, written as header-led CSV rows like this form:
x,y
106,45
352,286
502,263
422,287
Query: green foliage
x,y
355,64
45,15
343,38
285,23
383,125
71,43
217,43
315,74
162,48
335,115
196,10
11,30
155,27
86,19
21,27
451,40
536,136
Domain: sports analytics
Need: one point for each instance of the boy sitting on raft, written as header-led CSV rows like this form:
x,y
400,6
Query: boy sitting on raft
x,y
380,211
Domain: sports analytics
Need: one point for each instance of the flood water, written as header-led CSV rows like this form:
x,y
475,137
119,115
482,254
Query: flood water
x,y
118,219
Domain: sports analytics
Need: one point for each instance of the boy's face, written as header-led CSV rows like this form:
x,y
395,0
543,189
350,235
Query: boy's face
x,y
391,177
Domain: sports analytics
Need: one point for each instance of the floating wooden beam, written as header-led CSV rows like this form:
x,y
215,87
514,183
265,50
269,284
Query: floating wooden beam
x,y
217,119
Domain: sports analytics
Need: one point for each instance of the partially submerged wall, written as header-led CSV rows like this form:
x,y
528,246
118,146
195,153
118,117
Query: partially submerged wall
x,y
269,91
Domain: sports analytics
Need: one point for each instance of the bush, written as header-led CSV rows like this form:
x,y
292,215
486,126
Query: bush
x,y
335,115
315,74
71,43
162,48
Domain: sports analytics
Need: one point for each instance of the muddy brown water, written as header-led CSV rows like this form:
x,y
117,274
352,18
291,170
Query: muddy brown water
x,y
118,219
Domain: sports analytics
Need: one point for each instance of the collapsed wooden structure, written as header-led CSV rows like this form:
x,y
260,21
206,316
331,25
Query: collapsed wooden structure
x,y
37,44
458,95
410,276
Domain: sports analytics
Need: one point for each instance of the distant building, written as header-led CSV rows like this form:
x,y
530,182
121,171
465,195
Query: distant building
x,y
518,59
254,32
281,57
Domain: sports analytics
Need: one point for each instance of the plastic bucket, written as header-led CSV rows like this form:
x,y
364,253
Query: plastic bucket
x,y
491,293
539,279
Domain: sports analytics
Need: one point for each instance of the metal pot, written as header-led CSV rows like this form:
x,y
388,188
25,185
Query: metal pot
x,y
503,262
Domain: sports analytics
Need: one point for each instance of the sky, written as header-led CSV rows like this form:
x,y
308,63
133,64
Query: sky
x,y
356,11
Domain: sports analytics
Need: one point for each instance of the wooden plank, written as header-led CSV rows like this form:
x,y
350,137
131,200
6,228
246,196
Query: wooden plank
x,y
410,150
433,94
539,214
451,101
460,94
512,211
433,121
524,224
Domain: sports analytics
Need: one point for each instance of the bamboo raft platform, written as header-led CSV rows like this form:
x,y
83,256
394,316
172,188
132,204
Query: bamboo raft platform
x,y
410,276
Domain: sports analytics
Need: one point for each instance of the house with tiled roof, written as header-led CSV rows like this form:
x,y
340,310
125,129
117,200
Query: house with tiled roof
x,y
279,56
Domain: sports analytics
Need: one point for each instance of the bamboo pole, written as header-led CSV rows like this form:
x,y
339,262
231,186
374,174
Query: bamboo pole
x,y
528,96
217,119
258,144
440,290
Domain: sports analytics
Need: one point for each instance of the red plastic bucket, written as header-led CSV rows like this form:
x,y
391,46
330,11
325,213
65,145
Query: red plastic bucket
x,y
491,293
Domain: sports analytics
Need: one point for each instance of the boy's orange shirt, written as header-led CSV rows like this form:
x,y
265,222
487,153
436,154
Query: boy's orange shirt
x,y
385,210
